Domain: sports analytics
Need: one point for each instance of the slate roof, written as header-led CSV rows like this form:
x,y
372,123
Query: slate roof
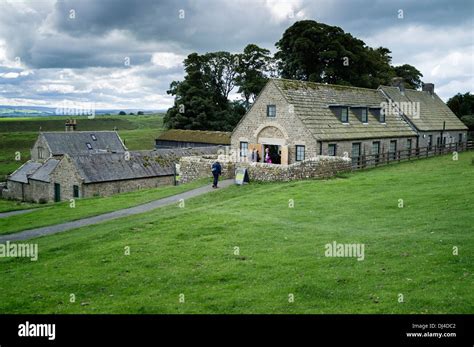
x,y
75,142
105,167
311,103
22,173
433,111
198,136
43,172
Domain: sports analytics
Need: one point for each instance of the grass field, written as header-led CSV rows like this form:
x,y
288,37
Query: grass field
x,y
192,252
56,213
19,134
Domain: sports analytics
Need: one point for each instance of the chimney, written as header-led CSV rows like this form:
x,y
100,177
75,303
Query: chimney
x,y
399,83
70,125
428,87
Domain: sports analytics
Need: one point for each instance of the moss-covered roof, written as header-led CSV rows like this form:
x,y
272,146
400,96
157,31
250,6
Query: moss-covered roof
x,y
198,136
433,111
311,103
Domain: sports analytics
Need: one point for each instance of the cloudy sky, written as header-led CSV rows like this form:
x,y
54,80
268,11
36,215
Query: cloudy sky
x,y
124,54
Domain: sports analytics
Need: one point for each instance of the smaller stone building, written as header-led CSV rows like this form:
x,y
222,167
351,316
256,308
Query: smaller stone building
x,y
68,165
177,138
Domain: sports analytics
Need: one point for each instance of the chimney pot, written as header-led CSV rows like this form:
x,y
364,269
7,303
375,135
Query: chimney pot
x,y
428,87
399,83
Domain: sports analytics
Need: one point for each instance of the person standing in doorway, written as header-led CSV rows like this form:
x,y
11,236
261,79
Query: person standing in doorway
x,y
268,159
216,172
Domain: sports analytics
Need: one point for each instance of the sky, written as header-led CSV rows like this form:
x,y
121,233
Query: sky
x,y
116,54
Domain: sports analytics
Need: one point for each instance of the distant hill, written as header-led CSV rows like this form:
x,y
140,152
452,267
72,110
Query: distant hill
x,y
41,111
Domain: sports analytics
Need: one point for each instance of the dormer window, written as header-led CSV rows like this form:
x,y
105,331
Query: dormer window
x,y
363,115
89,146
382,116
344,115
93,137
271,111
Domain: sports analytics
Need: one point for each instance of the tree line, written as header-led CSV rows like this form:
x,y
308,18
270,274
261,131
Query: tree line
x,y
307,51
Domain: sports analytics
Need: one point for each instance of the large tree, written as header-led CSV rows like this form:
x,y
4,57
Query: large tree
x,y
410,74
201,99
462,104
312,51
255,64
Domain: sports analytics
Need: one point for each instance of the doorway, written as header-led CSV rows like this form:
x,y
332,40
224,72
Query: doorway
x,y
274,152
57,192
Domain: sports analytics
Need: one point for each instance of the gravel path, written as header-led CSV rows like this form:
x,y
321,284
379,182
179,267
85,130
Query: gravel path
x,y
13,213
53,229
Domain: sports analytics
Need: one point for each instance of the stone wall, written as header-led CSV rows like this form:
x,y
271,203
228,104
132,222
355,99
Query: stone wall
x,y
124,186
344,148
452,136
192,168
197,167
65,174
14,190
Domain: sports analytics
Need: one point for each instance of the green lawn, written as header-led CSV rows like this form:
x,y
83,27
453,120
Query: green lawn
x,y
12,205
56,213
19,134
190,250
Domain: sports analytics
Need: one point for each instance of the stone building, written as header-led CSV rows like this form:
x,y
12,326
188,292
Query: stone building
x,y
295,120
429,116
178,138
66,165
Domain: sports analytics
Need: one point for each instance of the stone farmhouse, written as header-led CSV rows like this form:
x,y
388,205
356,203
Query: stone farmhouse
x,y
66,165
297,120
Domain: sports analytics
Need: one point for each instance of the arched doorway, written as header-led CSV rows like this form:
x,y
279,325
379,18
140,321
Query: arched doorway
x,y
272,141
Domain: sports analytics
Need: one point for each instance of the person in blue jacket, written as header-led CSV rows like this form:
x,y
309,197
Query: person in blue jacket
x,y
216,172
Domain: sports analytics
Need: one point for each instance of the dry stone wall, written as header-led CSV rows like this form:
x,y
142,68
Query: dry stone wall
x,y
193,168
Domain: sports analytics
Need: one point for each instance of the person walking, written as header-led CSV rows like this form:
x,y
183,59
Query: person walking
x,y
216,172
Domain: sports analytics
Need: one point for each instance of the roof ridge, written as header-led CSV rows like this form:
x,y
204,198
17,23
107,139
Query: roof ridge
x,y
322,84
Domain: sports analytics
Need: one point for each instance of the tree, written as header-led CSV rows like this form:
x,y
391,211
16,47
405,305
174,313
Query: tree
x,y
410,74
201,99
122,113
317,52
254,65
140,113
462,104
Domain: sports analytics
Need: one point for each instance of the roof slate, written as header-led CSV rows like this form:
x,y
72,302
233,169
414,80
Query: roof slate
x,y
199,136
42,174
433,111
74,142
311,103
22,173
103,167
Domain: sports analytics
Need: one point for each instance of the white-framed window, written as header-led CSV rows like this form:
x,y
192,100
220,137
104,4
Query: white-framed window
x,y
89,146
40,153
332,149
344,115
363,115
244,149
300,152
271,111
